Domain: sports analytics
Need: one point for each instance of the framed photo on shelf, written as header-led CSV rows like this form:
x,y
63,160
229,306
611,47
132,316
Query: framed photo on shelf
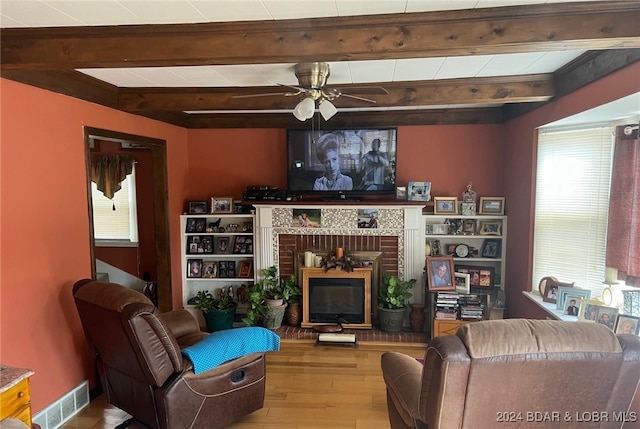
x,y
221,205
469,227
401,193
201,225
490,227
491,205
197,207
209,269
194,268
626,324
566,295
440,273
445,205
242,244
491,248
462,282
222,245
594,311
419,191
246,269
481,277
191,225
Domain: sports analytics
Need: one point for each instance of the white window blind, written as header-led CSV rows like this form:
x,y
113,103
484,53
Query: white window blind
x,y
572,206
120,224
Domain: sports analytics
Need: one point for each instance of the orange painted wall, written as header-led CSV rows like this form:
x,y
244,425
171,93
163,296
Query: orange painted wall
x,y
519,176
44,235
225,162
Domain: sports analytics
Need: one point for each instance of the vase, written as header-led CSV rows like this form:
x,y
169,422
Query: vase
x,y
219,320
293,314
274,316
416,317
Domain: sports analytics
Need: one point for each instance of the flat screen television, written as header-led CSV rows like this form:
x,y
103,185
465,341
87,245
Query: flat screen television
x,y
342,163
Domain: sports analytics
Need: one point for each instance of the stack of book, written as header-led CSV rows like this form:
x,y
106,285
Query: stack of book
x,y
472,307
447,306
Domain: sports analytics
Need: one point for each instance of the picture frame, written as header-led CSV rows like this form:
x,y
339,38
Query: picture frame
x,y
194,268
306,218
592,310
209,269
577,294
626,324
401,193
491,206
490,227
221,205
469,227
481,277
201,225
419,191
197,207
440,273
491,248
551,293
562,293
191,225
246,269
462,282
222,245
445,205
242,245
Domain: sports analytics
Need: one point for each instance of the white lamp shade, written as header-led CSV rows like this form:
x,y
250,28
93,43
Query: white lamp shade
x,y
327,109
304,110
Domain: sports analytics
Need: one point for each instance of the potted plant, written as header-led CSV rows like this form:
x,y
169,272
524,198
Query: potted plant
x,y
257,307
292,295
273,289
392,299
219,313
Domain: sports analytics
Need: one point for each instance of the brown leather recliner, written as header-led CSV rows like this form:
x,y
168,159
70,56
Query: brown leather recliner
x,y
143,371
516,373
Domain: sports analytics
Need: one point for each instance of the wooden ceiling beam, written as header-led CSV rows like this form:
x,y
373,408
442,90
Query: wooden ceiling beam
x,y
509,89
534,28
351,119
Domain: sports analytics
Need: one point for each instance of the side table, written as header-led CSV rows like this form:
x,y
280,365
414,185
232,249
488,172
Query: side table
x,y
15,396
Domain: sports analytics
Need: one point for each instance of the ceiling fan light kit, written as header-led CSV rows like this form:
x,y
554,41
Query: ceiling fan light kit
x,y
305,109
327,109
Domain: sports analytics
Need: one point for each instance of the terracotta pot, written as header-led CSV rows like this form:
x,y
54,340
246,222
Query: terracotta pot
x,y
294,314
416,317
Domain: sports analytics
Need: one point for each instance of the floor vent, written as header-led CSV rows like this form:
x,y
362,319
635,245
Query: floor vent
x,y
58,413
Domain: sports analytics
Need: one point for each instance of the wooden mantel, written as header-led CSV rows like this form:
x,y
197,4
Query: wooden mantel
x,y
357,273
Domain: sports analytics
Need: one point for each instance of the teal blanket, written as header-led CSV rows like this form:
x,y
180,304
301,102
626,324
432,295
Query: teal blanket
x,y
222,346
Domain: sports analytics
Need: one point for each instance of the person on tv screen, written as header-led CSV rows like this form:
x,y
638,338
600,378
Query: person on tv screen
x,y
332,179
374,163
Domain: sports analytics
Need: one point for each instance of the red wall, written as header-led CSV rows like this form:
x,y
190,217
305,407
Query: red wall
x,y
44,228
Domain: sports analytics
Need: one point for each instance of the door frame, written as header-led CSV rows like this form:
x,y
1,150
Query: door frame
x,y
160,204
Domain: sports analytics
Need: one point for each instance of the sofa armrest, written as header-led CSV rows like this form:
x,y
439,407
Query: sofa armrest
x,y
403,377
180,322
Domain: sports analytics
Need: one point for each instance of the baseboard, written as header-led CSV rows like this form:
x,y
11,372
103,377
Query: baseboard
x,y
62,410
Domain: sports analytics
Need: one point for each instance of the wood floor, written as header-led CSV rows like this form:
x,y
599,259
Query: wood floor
x,y
308,387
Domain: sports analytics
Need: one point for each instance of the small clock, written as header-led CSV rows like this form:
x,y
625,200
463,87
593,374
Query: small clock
x,y
462,250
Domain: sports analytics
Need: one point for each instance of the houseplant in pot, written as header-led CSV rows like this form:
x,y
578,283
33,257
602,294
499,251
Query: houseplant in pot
x,y
392,299
274,291
292,295
218,313
257,307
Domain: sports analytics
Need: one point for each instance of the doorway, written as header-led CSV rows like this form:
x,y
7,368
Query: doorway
x,y
160,204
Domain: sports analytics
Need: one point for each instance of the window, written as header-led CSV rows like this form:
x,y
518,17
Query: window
x,y
119,226
572,205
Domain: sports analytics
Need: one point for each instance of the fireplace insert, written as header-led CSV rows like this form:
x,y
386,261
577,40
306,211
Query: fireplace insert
x,y
333,298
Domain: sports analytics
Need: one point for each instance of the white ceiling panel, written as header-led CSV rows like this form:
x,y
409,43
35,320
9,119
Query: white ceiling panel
x,y
96,12
457,67
34,14
551,61
166,12
369,7
121,77
417,69
287,9
200,76
434,5
224,10
372,71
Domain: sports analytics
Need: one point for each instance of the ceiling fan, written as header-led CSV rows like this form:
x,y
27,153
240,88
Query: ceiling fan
x,y
312,78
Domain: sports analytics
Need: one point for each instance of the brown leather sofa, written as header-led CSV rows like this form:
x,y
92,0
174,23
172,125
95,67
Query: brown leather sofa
x,y
516,373
143,372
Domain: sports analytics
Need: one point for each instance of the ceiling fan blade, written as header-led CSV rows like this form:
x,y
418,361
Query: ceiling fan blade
x,y
357,98
266,94
372,90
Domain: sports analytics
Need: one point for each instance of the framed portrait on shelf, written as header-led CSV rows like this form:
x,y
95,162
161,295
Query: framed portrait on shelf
x,y
469,227
462,282
243,245
191,225
221,205
572,300
401,193
491,248
201,225
491,205
197,207
445,205
194,268
594,311
209,269
440,275
551,293
222,245
246,269
480,277
419,191
490,228
626,324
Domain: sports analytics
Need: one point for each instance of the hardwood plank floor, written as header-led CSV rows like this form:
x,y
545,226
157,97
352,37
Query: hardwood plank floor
x,y
308,387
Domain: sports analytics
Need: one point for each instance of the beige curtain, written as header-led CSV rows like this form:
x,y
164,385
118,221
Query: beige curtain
x,y
623,237
108,170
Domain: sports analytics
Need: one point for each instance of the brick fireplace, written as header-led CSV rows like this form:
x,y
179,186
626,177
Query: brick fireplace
x,y
399,237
